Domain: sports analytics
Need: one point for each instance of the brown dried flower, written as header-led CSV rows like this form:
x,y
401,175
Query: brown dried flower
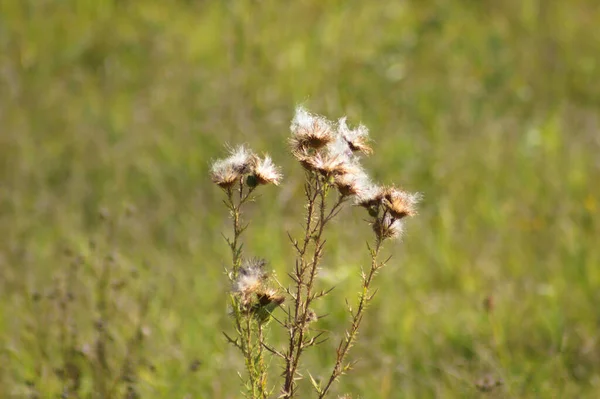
x,y
223,174
226,172
331,165
310,131
266,172
400,203
357,139
250,277
352,183
369,195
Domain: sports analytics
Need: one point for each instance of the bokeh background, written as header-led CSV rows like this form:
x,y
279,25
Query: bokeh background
x,y
111,111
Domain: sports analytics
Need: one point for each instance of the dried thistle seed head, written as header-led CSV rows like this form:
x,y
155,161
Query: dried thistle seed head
x,y
330,165
250,276
351,183
357,139
346,184
387,227
242,159
223,174
305,159
325,163
340,147
266,172
309,130
226,172
400,203
369,195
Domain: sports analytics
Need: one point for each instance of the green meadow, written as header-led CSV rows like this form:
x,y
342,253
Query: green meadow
x,y
112,257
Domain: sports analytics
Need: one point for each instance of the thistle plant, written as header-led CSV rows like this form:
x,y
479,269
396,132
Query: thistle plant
x,y
251,298
330,154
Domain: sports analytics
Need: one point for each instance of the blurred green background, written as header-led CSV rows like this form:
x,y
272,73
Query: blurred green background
x,y
489,108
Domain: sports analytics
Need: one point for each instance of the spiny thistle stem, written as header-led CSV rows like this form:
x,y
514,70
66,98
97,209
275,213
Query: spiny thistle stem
x,y
316,191
351,333
255,366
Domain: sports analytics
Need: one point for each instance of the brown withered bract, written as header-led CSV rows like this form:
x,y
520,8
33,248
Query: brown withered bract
x,y
387,227
267,298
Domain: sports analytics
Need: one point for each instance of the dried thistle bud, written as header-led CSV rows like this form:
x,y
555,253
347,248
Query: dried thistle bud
x,y
356,139
265,172
400,203
387,227
251,181
310,130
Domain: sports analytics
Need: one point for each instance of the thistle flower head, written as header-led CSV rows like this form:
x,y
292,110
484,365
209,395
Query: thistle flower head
x,y
329,165
250,277
266,172
357,139
387,226
369,195
310,130
400,203
353,182
242,159
226,172
304,157
340,148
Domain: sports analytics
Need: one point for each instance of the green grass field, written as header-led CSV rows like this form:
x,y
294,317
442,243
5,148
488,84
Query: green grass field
x,y
489,108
